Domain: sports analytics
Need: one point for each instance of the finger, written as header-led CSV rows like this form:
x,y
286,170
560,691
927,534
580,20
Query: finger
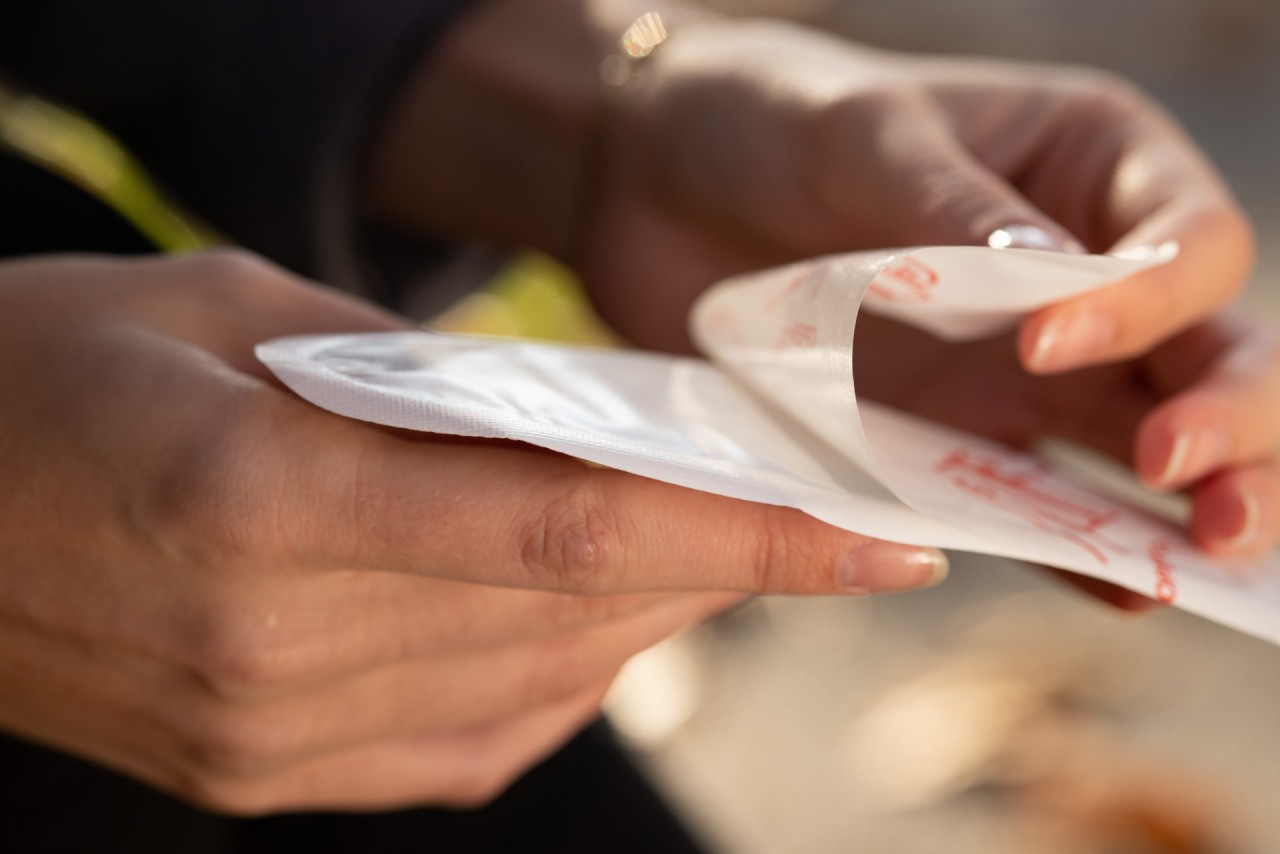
x,y
1140,184
252,738
462,769
1114,595
1236,513
505,516
311,629
1230,414
183,737
928,188
225,301
1131,316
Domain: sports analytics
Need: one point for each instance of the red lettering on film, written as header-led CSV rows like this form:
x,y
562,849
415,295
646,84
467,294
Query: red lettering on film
x,y
800,335
814,276
726,322
1026,490
907,279
1166,584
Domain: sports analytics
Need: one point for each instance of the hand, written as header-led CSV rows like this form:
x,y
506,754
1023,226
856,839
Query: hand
x,y
741,144
217,588
744,144
1200,412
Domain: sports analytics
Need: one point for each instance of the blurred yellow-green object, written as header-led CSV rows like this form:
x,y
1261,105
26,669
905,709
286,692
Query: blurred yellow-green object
x,y
76,149
531,298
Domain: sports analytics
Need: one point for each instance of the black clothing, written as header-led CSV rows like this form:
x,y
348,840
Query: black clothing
x,y
40,213
584,800
255,114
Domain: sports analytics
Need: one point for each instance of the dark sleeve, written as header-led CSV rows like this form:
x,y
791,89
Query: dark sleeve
x,y
253,113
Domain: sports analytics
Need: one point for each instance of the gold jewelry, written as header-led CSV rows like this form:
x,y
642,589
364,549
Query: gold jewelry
x,y
645,33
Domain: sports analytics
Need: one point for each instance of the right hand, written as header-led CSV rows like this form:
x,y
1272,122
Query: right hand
x,y
219,589
1200,413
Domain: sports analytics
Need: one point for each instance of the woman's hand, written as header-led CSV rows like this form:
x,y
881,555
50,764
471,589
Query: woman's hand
x,y
740,144
217,588
1200,412
743,144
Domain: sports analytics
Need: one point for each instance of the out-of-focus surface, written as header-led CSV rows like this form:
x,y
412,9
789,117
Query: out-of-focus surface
x,y
1000,712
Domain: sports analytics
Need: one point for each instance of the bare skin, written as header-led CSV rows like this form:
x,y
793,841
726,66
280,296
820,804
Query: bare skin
x,y
226,592
1219,380
743,144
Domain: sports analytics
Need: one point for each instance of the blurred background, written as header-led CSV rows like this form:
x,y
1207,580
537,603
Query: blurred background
x,y
1000,712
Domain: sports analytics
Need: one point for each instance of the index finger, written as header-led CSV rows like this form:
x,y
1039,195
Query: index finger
x,y
508,515
1130,317
1122,176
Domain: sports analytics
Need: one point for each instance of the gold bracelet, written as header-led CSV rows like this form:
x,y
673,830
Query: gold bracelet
x,y
640,39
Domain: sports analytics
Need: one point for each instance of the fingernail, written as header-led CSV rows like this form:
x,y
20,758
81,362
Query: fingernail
x,y
1073,339
1033,237
1248,522
1194,452
881,567
1231,520
1161,252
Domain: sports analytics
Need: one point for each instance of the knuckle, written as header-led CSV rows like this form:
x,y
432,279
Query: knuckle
x,y
214,498
783,560
224,796
232,281
869,124
1138,332
1102,103
495,771
1102,87
565,666
864,108
570,611
238,742
230,268
573,541
240,656
772,554
479,788
1237,240
859,120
